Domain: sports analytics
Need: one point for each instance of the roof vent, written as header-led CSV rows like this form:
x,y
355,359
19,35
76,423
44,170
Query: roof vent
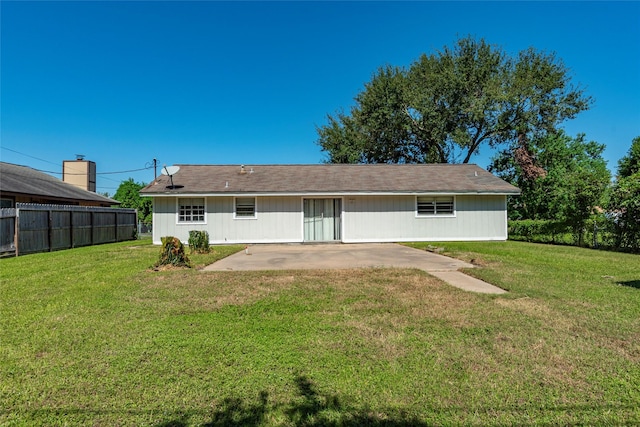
x,y
242,171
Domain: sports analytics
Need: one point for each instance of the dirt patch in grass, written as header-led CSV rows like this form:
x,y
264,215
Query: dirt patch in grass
x,y
628,348
380,307
539,310
182,291
568,325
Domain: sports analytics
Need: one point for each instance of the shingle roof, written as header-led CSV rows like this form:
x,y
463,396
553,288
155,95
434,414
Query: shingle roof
x,y
330,178
25,180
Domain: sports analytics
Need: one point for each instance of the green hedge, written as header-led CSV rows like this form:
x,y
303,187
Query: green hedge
x,y
544,231
596,232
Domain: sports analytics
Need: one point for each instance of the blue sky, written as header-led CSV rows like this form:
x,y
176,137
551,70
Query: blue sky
x,y
248,82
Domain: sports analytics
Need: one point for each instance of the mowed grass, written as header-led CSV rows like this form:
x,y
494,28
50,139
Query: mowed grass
x,y
92,336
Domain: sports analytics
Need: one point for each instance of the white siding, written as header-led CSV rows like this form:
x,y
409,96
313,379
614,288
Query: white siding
x,y
393,219
364,219
278,219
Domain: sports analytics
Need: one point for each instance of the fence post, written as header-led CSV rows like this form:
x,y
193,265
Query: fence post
x,y
71,229
16,232
50,231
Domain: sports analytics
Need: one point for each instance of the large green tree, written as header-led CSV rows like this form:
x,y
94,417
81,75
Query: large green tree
x,y
128,194
624,203
448,104
568,183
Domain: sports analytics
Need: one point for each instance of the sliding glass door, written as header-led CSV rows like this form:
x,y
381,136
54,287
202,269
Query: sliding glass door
x,y
322,220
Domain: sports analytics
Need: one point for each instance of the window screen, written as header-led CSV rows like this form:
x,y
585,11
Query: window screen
x,y
245,207
442,205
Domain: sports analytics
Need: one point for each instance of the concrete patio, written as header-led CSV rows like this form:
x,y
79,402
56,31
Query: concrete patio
x,y
343,256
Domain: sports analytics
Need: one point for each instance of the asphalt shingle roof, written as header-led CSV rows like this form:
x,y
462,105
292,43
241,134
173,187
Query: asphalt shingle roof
x,y
330,178
25,180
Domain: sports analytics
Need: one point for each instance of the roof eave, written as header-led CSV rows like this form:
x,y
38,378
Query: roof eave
x,y
329,193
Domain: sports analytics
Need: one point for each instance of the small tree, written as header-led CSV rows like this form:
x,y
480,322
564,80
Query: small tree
x,y
128,194
586,189
630,164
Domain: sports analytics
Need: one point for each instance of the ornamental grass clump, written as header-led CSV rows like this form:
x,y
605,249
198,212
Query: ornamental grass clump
x,y
199,242
172,253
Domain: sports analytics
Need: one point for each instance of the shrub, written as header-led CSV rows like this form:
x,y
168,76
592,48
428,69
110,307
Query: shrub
x,y
533,230
597,232
173,253
199,241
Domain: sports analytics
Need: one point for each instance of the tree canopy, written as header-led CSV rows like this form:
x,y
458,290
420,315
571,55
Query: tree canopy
x,y
625,200
128,194
447,105
571,181
630,164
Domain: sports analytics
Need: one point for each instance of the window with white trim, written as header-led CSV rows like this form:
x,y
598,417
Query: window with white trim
x,y
434,206
245,207
191,209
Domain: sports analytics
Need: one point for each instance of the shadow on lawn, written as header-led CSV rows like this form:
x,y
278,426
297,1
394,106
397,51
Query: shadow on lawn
x,y
314,409
631,284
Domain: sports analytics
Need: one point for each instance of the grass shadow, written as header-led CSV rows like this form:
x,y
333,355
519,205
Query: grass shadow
x,y
237,412
311,409
182,422
318,409
631,283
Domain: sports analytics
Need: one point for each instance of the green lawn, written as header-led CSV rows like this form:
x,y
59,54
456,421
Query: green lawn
x,y
92,336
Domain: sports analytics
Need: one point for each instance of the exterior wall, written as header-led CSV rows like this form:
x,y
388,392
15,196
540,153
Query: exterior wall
x,y
278,219
393,219
364,219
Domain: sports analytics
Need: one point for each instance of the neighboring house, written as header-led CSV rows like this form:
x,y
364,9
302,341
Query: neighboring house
x,y
22,184
329,203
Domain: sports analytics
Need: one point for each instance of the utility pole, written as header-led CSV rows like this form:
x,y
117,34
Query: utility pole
x,y
155,169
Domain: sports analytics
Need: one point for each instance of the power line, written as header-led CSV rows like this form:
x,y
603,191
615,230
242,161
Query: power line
x,y
46,161
97,173
26,155
60,173
132,170
79,172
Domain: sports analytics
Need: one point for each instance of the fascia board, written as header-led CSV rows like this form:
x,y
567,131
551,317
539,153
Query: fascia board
x,y
334,194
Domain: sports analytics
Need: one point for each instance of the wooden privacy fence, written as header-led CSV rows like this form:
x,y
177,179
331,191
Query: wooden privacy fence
x,y
30,228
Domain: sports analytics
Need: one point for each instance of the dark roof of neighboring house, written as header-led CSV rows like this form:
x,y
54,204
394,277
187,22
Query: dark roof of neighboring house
x,y
330,178
18,179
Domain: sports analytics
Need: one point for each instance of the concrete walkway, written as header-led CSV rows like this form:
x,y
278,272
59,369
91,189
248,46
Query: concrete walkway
x,y
342,256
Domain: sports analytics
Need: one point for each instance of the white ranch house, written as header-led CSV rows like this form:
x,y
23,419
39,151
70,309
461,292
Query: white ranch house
x,y
330,203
